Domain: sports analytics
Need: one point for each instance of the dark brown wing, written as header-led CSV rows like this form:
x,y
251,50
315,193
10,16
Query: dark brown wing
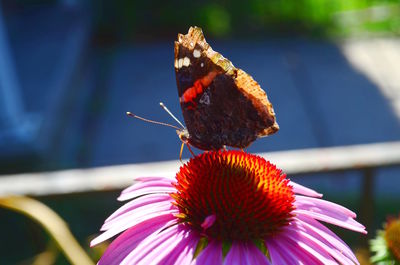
x,y
221,105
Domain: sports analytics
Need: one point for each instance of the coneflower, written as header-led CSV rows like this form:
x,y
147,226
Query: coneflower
x,y
386,245
226,207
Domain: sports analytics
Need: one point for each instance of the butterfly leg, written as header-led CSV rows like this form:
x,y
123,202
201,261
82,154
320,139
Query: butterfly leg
x,y
190,149
180,153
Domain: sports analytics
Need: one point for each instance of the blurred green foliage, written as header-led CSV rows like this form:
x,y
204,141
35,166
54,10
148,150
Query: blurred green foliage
x,y
127,20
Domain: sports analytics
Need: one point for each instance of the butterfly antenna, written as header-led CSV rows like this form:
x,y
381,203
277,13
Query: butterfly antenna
x,y
172,115
151,121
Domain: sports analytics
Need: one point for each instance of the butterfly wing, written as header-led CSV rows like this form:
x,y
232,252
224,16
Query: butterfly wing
x,y
221,104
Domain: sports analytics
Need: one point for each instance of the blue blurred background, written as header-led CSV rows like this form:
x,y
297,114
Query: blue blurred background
x,y
69,70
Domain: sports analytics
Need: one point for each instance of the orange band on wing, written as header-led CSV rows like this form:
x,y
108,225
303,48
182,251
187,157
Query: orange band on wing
x,y
198,87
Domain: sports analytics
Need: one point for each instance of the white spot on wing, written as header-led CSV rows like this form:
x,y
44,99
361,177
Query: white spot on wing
x,y
196,53
202,65
205,98
186,61
180,63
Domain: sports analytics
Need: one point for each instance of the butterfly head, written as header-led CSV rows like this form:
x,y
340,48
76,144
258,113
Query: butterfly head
x,y
183,134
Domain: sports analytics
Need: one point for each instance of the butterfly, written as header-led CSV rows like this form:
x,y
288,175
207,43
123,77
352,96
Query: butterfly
x,y
221,105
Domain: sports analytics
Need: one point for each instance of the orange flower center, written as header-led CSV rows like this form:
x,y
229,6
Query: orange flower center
x,y
392,237
247,197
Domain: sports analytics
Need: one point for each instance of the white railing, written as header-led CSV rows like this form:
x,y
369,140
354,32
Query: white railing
x,y
365,158
294,162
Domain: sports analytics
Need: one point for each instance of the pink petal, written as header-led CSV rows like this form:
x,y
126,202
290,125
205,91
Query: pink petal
x,y
278,254
245,253
321,232
212,254
328,212
146,185
314,246
302,257
141,201
314,204
121,247
158,246
332,218
208,221
184,251
145,190
299,189
130,218
135,234
149,182
165,178
255,256
118,229
309,246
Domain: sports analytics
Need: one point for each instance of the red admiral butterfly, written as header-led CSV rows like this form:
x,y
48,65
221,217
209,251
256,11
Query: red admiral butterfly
x,y
222,105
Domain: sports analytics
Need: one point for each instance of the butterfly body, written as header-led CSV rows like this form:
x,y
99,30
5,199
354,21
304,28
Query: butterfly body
x,y
222,105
